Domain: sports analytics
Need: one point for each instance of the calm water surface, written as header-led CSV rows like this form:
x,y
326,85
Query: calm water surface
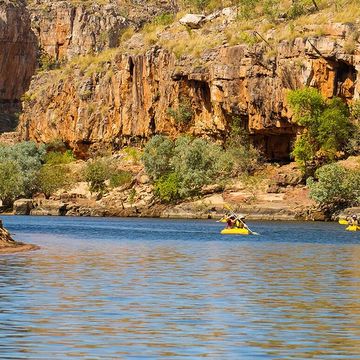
x,y
156,289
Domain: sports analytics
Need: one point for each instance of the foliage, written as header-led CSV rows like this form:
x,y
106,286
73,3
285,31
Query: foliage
x,y
326,122
27,158
57,158
12,181
119,178
183,113
96,173
46,62
157,155
132,196
181,168
167,187
336,187
196,163
164,19
200,5
133,154
242,156
52,178
56,146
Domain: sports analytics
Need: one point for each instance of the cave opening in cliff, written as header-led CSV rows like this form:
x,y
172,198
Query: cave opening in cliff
x,y
345,80
131,68
202,91
274,147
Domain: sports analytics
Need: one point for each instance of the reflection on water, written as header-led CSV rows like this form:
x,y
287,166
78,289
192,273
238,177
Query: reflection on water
x,y
151,289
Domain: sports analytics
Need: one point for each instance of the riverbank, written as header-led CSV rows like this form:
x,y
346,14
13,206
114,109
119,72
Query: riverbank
x,y
274,192
8,245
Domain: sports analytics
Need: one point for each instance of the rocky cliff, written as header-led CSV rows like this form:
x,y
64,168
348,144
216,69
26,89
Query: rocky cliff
x,y
127,96
42,33
17,60
111,97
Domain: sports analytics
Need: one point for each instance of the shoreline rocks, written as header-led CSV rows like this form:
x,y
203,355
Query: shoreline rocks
x,y
9,245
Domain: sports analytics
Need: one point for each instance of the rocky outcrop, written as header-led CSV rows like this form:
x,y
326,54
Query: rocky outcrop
x,y
23,206
17,60
129,97
44,33
65,29
9,245
193,21
46,207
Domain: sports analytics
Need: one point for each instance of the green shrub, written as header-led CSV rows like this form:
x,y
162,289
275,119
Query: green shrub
x,y
195,162
336,187
242,156
52,178
167,188
326,122
96,173
11,181
28,158
119,178
157,155
57,158
164,19
182,168
133,154
197,4
183,114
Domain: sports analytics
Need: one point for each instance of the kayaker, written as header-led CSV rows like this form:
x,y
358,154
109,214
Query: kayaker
x,y
354,220
230,221
239,224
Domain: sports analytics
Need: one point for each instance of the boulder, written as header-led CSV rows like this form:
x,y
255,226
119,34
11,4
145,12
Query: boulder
x,y
49,207
23,206
193,21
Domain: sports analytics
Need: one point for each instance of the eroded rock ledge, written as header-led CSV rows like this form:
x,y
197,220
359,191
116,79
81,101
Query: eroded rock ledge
x,y
9,245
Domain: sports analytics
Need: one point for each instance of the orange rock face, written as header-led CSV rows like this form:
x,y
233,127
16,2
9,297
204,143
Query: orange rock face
x,y
17,60
130,97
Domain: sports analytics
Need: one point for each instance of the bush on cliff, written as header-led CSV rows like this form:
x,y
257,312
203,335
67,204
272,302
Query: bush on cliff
x,y
58,157
335,187
327,126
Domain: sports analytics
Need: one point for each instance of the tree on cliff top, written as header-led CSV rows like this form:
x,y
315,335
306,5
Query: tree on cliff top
x,y
327,126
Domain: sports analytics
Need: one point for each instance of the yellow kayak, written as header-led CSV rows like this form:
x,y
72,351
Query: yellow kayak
x,y
235,231
353,228
343,222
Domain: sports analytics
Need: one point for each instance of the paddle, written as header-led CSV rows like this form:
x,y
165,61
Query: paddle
x,y
238,218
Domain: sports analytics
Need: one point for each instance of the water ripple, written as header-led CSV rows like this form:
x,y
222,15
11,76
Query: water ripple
x,y
152,289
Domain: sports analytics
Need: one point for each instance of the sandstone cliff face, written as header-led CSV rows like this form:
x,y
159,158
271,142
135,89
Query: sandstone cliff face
x,y
17,60
130,96
58,31
65,30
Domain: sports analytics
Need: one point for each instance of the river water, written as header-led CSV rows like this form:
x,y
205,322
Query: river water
x,y
104,288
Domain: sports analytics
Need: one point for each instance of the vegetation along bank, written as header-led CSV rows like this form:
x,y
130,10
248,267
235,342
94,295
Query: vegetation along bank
x,y
173,109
